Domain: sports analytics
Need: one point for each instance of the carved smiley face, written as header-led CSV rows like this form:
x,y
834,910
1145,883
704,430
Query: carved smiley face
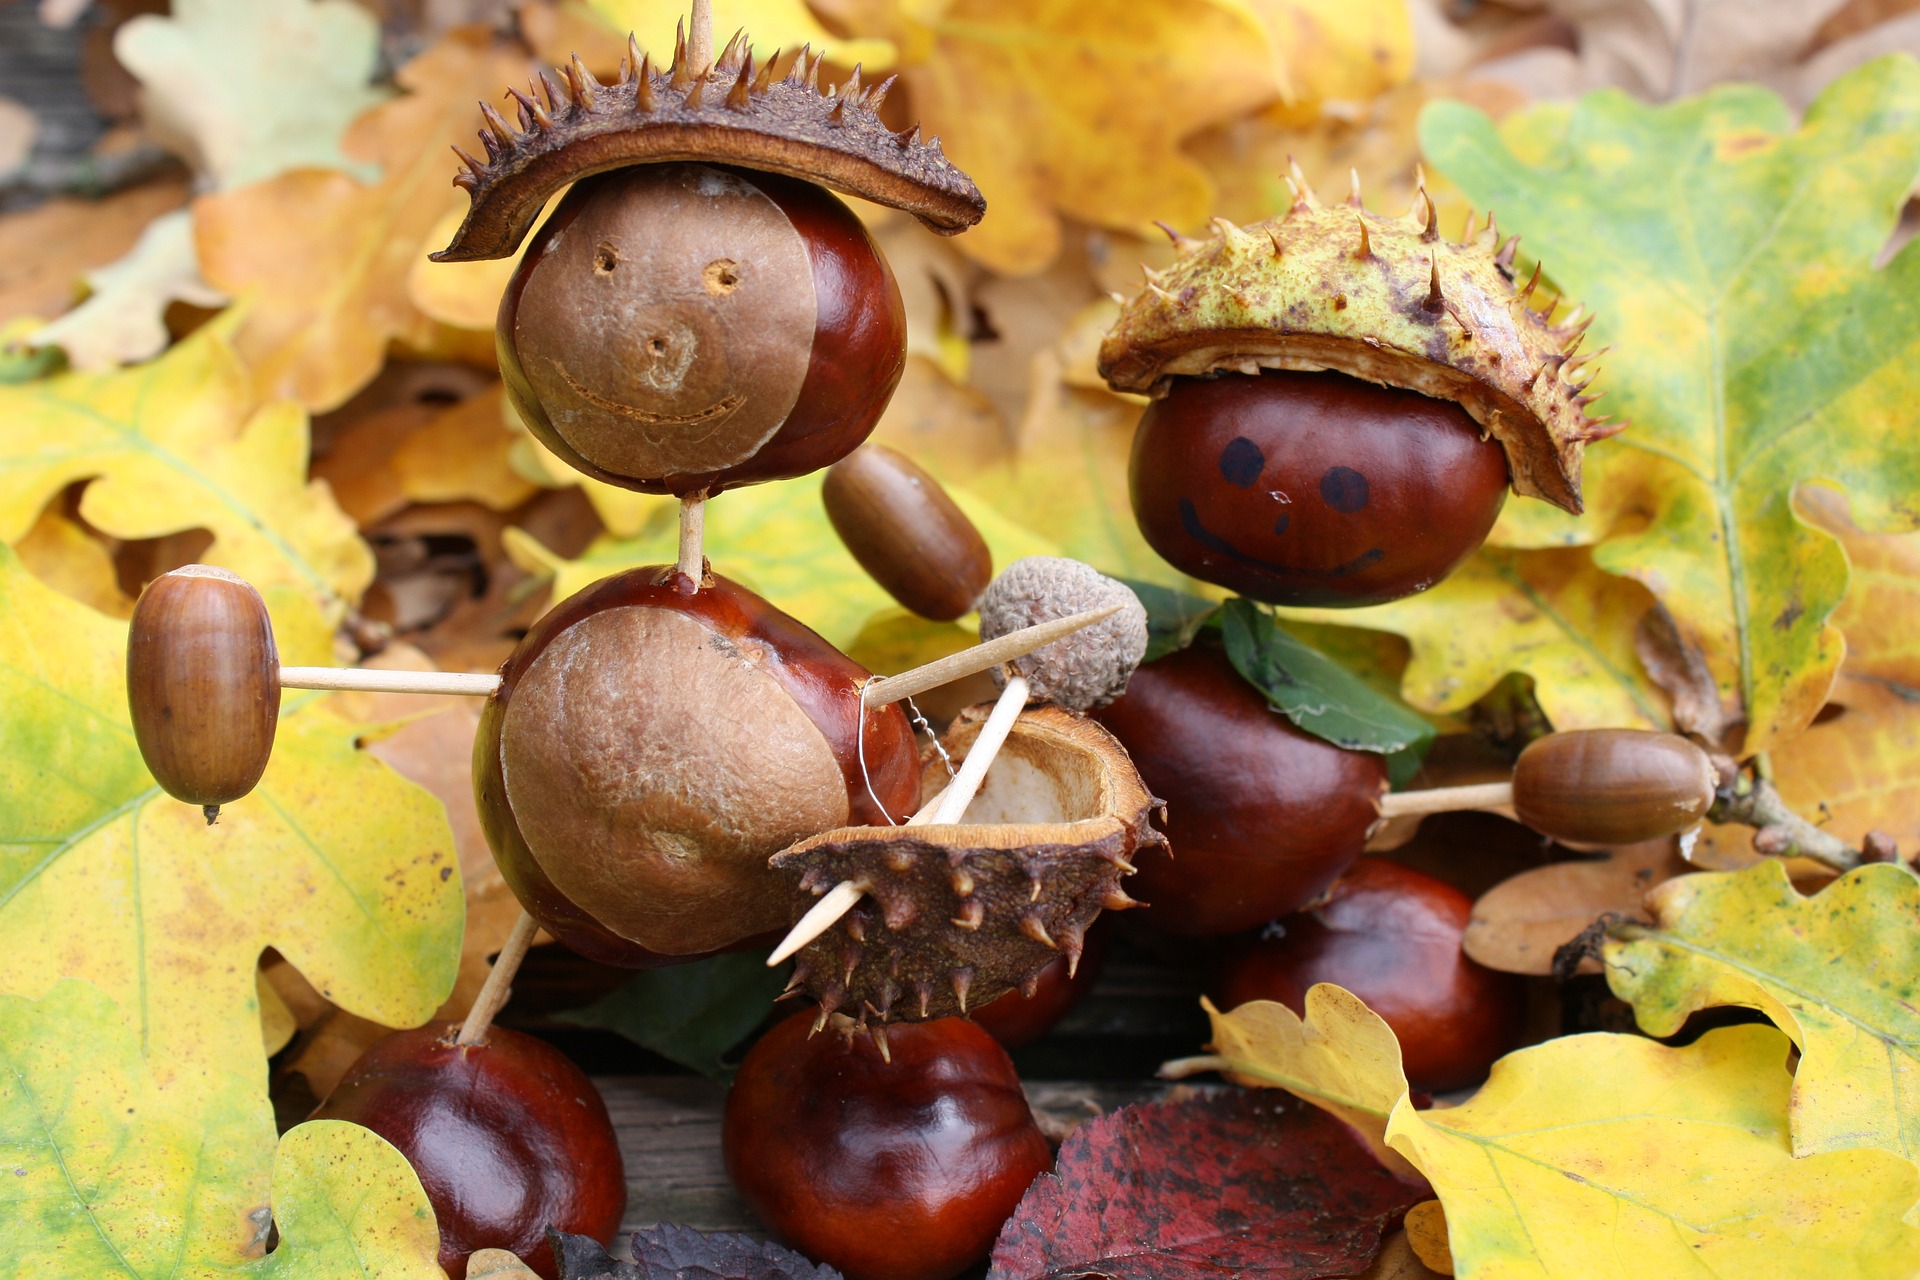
x,y
668,327
1313,488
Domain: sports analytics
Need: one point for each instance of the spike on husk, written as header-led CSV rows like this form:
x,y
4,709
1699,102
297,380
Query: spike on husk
x,y
1387,299
1036,869
834,138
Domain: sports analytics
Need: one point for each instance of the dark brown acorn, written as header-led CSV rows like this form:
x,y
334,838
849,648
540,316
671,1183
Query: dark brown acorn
x,y
1313,488
203,684
1260,815
508,1137
957,914
1612,786
894,1166
907,532
651,744
1391,936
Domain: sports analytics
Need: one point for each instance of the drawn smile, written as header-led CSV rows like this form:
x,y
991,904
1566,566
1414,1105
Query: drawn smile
x,y
1190,521
718,409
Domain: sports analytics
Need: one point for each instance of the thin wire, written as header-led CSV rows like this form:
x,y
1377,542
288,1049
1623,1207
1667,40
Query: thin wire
x,y
861,752
921,720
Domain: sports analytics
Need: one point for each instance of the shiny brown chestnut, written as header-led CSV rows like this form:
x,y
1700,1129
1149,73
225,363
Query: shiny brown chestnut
x,y
907,532
1612,786
901,1169
690,328
508,1137
652,744
1260,816
203,684
1391,935
1313,488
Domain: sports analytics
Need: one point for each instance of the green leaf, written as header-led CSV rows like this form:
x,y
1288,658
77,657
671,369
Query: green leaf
x,y
1729,257
690,1013
1319,695
1839,972
1174,617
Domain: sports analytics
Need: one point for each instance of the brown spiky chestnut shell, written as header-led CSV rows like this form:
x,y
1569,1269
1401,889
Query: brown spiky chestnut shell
x,y
689,328
956,915
651,743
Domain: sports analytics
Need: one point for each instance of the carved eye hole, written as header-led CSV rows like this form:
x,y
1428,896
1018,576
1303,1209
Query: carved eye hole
x,y
721,276
1241,462
605,259
1344,489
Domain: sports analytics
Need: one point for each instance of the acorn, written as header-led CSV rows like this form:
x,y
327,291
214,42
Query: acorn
x,y
652,743
203,685
1416,381
1612,786
699,313
906,532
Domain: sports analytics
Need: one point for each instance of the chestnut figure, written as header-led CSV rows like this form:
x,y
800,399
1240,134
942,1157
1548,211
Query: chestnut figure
x,y
652,744
1391,935
690,328
203,684
1260,815
508,1138
1313,488
887,1170
1020,1017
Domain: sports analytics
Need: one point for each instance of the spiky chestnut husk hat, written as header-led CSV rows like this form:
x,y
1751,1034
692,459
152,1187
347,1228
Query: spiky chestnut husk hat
x,y
734,112
1385,299
957,915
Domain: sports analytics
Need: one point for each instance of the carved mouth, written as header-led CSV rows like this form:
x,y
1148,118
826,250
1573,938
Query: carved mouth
x,y
1190,521
719,409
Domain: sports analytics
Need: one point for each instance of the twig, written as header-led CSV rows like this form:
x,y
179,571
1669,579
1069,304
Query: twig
x,y
693,536
499,984
1779,831
700,39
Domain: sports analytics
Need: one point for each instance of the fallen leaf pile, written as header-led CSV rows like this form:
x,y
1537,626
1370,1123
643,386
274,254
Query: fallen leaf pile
x,y
221,341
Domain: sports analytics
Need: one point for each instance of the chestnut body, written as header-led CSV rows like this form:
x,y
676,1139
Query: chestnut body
x,y
689,328
906,532
508,1138
1612,786
1260,816
1313,488
901,1170
651,745
1391,936
203,684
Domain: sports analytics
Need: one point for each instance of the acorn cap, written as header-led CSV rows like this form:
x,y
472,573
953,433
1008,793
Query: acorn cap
x,y
1087,669
731,113
1388,300
958,915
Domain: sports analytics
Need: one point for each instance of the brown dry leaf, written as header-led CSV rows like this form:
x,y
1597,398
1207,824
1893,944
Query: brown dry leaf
x,y
426,452
1426,1226
1398,1261
45,250
324,260
953,431
1520,923
1071,109
123,319
64,555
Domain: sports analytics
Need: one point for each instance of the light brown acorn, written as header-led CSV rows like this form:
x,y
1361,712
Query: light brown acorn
x,y
203,685
1612,786
907,532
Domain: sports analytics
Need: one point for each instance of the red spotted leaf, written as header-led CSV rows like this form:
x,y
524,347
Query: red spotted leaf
x,y
1243,1183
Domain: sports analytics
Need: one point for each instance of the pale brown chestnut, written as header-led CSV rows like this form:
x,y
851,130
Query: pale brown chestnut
x,y
907,532
203,684
1612,786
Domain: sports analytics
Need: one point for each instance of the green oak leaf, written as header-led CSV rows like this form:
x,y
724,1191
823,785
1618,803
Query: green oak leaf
x,y
691,1014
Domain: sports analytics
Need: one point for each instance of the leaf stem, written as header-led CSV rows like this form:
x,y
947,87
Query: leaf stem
x,y
1745,797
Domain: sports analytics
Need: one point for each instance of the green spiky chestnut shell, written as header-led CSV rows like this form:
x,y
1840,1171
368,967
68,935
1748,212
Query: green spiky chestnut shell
x,y
956,915
1386,300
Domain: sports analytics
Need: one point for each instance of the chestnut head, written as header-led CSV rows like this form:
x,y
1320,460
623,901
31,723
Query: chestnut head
x,y
687,328
1313,488
508,1137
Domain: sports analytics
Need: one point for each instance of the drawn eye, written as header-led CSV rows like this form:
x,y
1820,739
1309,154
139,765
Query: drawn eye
x,y
1280,525
605,258
1241,462
1344,489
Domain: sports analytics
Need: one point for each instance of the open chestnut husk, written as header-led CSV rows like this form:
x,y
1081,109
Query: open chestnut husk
x,y
956,915
651,744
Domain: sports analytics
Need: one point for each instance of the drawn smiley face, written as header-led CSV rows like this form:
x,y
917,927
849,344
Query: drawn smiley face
x,y
1313,488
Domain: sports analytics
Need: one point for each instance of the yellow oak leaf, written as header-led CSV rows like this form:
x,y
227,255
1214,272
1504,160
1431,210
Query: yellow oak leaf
x,y
1836,971
1729,253
772,25
1341,1057
183,443
324,258
1335,51
339,865
1071,109
1606,1155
